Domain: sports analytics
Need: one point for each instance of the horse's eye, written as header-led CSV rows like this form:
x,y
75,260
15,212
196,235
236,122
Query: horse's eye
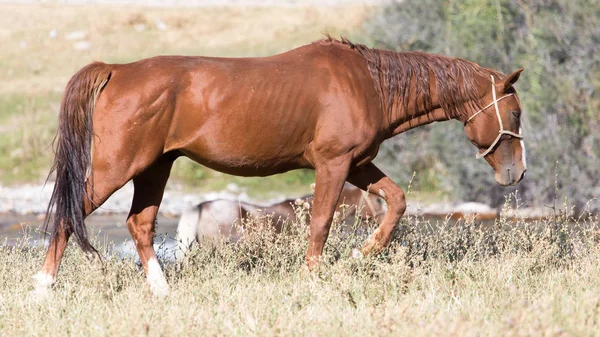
x,y
517,114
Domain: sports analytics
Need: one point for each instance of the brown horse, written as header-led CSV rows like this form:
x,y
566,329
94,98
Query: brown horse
x,y
222,219
327,106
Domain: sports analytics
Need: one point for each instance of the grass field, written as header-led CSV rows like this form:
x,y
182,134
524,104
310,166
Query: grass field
x,y
43,45
513,278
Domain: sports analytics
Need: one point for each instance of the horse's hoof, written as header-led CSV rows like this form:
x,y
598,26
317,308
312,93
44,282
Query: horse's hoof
x,y
159,290
156,280
39,294
42,287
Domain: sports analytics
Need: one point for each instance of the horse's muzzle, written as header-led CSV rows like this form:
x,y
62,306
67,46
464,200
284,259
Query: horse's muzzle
x,y
510,176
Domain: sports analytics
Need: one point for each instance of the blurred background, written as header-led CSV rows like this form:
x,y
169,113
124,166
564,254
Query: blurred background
x,y
43,43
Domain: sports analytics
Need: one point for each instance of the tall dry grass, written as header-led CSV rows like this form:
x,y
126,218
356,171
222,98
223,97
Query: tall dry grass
x,y
466,278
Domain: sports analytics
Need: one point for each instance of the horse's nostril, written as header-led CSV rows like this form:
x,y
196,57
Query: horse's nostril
x,y
522,174
508,175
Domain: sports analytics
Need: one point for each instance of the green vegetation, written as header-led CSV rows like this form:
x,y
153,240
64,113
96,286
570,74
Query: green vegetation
x,y
557,43
512,278
27,127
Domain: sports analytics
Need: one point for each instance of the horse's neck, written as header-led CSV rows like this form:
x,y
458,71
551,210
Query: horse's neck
x,y
401,123
403,117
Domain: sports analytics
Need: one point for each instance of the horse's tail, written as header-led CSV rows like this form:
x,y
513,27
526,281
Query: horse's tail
x,y
73,147
187,230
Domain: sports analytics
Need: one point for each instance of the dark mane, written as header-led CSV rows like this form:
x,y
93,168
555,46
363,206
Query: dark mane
x,y
393,72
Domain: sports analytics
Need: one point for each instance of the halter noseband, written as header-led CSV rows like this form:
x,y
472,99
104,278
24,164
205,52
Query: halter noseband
x,y
501,131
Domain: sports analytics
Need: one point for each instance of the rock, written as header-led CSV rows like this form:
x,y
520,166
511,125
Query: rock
x,y
233,188
528,213
437,209
76,35
16,153
474,208
82,45
160,25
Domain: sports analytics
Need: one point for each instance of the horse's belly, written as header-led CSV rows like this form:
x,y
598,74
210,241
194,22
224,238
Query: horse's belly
x,y
252,148
245,168
244,160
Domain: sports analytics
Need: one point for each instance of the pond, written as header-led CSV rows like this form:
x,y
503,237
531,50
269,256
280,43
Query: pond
x,y
108,228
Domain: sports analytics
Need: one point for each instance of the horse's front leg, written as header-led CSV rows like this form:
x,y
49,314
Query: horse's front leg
x,y
330,178
371,179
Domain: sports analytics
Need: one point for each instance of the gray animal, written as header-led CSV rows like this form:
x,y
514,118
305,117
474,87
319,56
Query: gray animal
x,y
221,219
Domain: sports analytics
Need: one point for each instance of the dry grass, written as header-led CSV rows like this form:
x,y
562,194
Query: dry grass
x,y
465,279
39,55
33,62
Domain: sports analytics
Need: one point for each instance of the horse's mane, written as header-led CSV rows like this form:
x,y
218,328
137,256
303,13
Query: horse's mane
x,y
393,72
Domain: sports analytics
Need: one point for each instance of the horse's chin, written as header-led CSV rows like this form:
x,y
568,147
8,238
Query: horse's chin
x,y
506,178
504,183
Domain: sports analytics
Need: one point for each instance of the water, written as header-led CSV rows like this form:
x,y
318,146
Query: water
x,y
107,228
110,230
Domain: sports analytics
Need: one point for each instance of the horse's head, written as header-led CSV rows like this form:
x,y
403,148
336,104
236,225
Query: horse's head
x,y
496,130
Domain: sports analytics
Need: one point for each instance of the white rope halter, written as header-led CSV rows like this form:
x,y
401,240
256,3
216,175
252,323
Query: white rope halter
x,y
501,131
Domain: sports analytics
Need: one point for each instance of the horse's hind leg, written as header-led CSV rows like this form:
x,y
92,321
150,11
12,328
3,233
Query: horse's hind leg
x,y
149,187
371,179
105,183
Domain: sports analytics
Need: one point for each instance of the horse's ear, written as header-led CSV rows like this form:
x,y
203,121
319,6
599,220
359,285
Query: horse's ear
x,y
509,80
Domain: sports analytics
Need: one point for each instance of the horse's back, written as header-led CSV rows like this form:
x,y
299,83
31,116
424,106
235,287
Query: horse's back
x,y
242,116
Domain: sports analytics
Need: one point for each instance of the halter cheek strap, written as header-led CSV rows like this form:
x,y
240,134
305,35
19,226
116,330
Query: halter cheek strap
x,y
501,132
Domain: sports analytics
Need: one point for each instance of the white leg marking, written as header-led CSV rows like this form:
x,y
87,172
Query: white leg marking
x,y
42,283
524,158
381,193
156,279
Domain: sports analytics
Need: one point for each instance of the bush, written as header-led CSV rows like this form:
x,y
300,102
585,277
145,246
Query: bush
x,y
557,42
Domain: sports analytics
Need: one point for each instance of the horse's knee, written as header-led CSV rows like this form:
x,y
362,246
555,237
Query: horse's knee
x,y
396,202
141,231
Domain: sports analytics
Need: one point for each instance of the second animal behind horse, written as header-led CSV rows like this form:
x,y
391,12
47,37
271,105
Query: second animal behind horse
x,y
222,219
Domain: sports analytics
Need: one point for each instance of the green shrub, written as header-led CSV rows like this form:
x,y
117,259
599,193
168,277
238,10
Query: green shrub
x,y
558,44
